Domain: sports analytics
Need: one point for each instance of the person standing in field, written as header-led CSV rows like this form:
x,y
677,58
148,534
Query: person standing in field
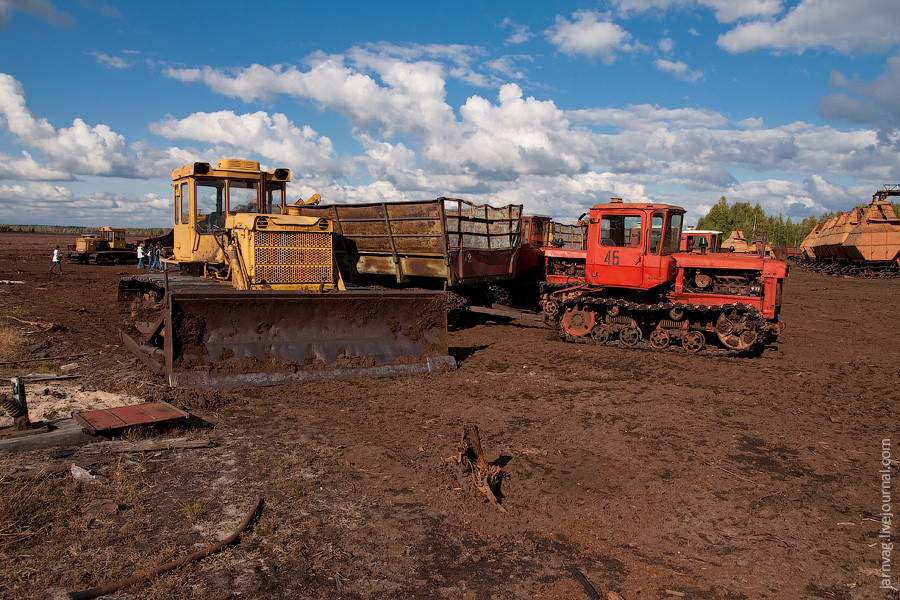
x,y
140,255
161,254
153,253
57,261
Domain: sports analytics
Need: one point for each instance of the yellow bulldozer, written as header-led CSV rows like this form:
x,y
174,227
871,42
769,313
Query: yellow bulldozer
x,y
252,295
107,246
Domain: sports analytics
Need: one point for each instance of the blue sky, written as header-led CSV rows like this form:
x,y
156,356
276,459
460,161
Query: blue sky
x,y
554,105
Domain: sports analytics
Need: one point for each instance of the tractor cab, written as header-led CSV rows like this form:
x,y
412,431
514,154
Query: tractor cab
x,y
631,245
207,202
701,241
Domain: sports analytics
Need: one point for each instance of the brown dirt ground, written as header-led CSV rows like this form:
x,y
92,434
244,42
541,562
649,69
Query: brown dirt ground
x,y
657,475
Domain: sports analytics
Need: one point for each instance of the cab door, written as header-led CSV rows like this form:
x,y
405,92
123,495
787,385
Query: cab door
x,y
618,250
655,265
183,230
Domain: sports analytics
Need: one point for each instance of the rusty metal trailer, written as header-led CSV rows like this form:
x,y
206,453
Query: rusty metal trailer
x,y
864,242
444,242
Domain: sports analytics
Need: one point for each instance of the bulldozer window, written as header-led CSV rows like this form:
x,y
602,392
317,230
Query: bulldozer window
x,y
274,198
210,204
672,241
183,204
242,197
656,231
620,230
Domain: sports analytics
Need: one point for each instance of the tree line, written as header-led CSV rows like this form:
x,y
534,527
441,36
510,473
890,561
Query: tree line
x,y
752,220
78,230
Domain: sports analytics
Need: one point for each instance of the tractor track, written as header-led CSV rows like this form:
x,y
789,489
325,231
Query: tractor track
x,y
702,319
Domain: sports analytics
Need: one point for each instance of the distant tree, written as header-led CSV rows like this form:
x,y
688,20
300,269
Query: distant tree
x,y
752,221
719,218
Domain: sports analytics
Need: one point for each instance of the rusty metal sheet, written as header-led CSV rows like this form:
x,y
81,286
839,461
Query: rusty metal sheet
x,y
472,266
120,417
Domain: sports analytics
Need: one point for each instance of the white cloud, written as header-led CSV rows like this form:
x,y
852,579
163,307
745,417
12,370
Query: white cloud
x,y
57,205
80,149
874,103
678,69
25,168
411,100
516,148
114,62
647,117
847,27
728,11
797,199
666,44
495,147
520,34
274,137
591,34
506,66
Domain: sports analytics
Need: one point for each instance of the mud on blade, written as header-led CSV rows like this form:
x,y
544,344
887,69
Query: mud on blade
x,y
224,338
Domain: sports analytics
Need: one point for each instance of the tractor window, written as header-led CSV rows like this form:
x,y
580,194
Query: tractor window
x,y
274,198
183,204
656,231
242,196
623,231
210,204
672,241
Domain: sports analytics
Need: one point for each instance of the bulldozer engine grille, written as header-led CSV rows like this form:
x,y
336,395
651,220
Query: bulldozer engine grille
x,y
293,257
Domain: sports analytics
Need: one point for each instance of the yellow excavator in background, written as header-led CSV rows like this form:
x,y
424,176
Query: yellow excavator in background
x,y
252,295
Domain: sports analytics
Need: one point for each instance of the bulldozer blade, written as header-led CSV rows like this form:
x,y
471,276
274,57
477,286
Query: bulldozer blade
x,y
228,338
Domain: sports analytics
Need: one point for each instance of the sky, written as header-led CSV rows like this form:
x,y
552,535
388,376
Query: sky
x,y
553,105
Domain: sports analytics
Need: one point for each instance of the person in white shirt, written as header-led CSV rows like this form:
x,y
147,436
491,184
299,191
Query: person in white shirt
x,y
57,261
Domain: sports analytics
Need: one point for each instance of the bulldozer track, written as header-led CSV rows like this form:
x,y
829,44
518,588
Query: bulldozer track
x,y
644,320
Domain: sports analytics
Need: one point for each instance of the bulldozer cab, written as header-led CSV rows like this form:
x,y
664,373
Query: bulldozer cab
x,y
114,237
107,238
207,200
631,245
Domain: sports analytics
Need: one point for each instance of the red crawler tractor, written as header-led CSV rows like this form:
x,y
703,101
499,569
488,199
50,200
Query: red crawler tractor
x,y
639,290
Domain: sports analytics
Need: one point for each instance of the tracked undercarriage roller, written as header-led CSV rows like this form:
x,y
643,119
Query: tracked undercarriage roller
x,y
722,329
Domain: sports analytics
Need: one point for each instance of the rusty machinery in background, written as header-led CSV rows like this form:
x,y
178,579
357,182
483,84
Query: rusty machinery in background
x,y
253,295
260,293
639,290
864,242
